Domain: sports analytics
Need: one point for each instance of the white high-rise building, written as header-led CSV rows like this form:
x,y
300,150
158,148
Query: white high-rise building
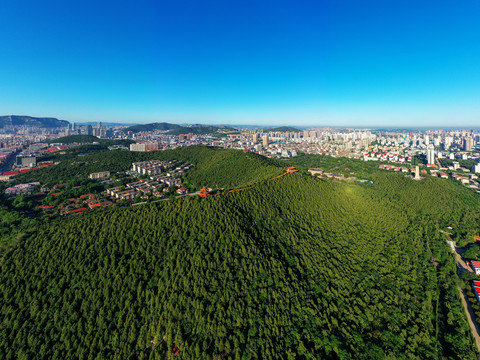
x,y
430,155
468,144
448,142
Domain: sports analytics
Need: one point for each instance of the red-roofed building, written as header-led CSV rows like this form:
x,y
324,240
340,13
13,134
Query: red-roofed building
x,y
44,165
45,207
11,173
80,210
476,289
475,266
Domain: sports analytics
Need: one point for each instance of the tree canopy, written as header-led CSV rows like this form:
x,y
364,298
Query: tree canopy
x,y
295,267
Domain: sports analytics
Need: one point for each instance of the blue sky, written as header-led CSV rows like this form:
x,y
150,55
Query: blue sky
x,y
312,63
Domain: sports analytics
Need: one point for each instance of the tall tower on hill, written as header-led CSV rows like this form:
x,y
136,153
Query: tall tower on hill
x,y
430,155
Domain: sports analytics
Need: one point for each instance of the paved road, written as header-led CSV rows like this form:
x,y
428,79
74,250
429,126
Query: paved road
x,y
461,267
470,317
6,167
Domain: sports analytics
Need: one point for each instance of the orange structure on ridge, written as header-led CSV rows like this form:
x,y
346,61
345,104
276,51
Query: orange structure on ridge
x,y
204,193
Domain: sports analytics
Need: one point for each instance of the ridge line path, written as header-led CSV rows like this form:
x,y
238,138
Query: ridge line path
x,y
461,267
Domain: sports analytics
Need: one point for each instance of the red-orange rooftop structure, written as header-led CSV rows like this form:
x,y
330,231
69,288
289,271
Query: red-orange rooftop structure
x,y
291,169
204,193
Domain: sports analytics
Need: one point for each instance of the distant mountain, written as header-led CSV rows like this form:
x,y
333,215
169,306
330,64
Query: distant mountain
x,y
152,127
283,129
200,130
32,121
104,123
89,139
175,129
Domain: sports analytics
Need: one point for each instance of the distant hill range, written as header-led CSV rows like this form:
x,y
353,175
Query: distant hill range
x,y
283,129
163,126
201,130
89,139
105,123
32,121
174,129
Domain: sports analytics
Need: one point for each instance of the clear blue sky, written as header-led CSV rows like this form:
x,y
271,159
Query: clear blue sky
x,y
312,63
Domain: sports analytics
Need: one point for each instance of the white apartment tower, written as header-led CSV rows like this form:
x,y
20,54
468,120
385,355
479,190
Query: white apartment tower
x,y
430,155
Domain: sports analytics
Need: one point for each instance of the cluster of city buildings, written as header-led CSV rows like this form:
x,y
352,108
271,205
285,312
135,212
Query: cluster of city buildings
x,y
367,144
163,176
156,186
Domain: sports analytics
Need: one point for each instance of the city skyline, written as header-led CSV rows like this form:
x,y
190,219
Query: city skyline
x,y
314,65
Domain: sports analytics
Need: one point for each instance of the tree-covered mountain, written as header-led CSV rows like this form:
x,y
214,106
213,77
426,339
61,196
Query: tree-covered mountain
x,y
294,267
163,126
174,129
32,121
283,129
89,139
201,130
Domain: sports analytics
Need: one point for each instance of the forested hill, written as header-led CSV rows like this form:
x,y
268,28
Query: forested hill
x,y
32,121
89,139
283,129
213,167
151,127
201,130
294,268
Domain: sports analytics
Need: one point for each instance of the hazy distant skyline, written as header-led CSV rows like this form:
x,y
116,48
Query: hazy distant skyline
x,y
327,63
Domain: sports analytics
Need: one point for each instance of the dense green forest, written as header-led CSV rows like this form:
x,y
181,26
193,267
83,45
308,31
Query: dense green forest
x,y
282,129
151,127
88,139
200,130
293,268
460,207
174,129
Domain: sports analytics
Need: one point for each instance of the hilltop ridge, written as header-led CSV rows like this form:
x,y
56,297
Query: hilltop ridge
x,y
45,122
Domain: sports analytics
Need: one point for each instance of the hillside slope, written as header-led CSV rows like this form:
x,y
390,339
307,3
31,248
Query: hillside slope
x,y
151,127
200,130
89,139
282,129
295,268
